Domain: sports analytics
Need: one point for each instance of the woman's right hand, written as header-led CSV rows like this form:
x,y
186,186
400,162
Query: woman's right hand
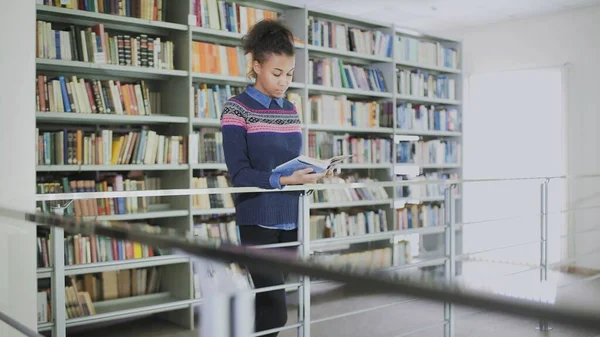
x,y
301,177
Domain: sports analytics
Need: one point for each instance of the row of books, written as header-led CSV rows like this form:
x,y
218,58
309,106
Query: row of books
x,y
43,248
211,201
374,259
103,206
218,59
206,146
332,72
365,150
228,16
419,216
217,232
324,33
418,191
92,249
209,99
344,224
432,152
94,45
44,301
340,111
349,194
155,10
426,53
420,117
79,95
402,253
79,147
83,291
420,83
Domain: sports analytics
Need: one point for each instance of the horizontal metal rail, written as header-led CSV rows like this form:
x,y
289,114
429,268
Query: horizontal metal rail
x,y
362,283
467,255
362,311
320,186
287,327
276,245
18,326
412,332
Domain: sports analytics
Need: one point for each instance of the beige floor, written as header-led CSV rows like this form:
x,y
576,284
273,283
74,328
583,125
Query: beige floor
x,y
396,320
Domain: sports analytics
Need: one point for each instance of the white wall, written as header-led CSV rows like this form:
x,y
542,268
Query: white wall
x,y
547,41
18,282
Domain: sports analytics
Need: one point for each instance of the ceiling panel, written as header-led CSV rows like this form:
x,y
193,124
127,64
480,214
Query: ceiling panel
x,y
445,14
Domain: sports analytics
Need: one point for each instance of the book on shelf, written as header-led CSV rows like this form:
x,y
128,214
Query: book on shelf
x,y
340,111
419,117
44,246
216,232
426,53
372,150
430,152
84,292
91,96
402,253
212,58
206,146
44,300
317,165
416,192
325,33
347,224
228,16
79,147
211,201
349,194
419,216
94,44
81,249
101,206
155,10
421,83
374,259
208,99
332,72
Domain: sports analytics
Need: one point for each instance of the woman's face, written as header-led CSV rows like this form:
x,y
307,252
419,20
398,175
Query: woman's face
x,y
275,74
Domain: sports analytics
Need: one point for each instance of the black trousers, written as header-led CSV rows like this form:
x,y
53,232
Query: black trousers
x,y
271,306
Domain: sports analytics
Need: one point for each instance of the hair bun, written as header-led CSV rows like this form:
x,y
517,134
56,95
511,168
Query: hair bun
x,y
268,37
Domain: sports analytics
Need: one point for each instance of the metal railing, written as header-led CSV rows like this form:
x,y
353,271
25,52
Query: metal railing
x,y
358,281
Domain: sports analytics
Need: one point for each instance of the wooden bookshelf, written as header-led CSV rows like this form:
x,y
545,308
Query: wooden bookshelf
x,y
175,301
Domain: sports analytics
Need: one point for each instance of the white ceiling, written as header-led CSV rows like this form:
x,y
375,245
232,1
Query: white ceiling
x,y
432,15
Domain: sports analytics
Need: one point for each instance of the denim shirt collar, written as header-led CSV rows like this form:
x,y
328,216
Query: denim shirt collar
x,y
262,98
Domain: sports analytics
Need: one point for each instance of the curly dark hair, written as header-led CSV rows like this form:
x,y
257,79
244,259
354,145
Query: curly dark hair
x,y
268,37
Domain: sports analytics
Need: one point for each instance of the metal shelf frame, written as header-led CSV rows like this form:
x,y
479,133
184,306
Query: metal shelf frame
x,y
180,117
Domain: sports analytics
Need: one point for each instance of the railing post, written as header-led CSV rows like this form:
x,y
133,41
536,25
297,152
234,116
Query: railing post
x,y
543,324
450,252
304,238
58,278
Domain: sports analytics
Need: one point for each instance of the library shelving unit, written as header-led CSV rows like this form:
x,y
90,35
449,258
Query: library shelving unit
x,y
139,109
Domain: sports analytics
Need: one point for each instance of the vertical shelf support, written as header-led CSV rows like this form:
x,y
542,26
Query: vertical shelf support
x,y
58,279
450,253
543,324
304,238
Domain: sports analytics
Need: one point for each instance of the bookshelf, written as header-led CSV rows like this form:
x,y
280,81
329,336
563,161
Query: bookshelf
x,y
389,100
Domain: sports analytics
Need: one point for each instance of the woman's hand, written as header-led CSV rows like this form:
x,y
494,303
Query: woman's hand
x,y
301,177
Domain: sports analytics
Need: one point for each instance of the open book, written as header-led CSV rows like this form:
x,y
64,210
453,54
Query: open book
x,y
303,162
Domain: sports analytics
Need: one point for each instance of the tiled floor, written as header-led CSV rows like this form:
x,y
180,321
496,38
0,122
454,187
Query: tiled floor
x,y
403,318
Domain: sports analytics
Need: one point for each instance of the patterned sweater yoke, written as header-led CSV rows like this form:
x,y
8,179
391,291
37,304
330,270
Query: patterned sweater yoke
x,y
256,138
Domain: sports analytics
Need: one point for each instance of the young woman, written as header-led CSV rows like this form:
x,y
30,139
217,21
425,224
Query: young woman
x,y
261,130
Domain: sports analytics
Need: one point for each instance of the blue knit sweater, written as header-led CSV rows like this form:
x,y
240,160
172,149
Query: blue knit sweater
x,y
256,139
